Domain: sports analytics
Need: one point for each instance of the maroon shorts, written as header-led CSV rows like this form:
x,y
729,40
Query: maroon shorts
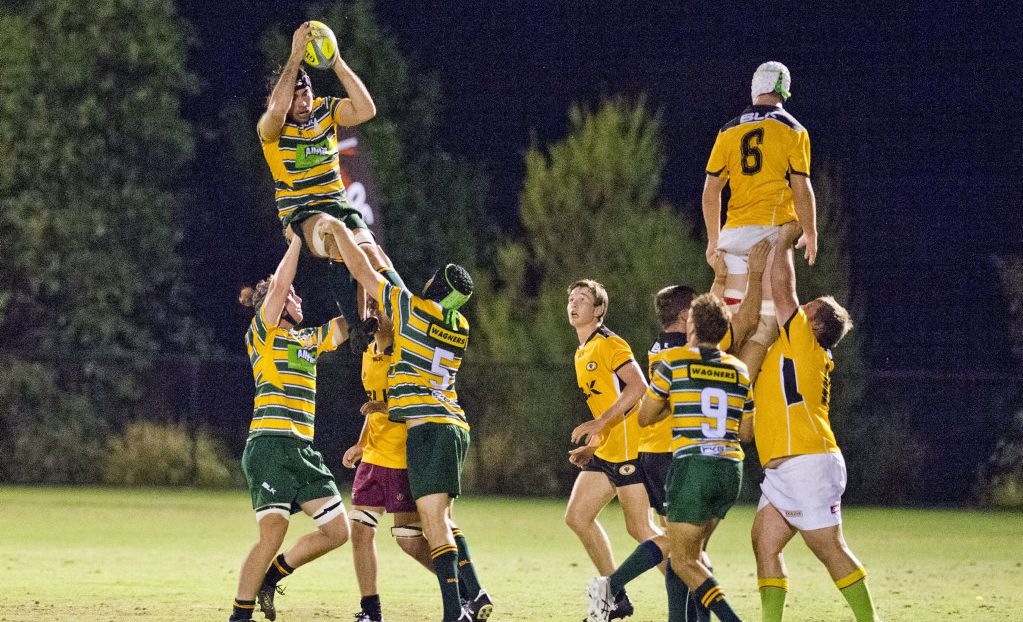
x,y
381,487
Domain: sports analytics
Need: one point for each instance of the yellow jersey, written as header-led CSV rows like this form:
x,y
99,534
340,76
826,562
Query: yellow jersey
x,y
793,392
656,438
596,362
756,152
427,356
284,368
304,161
708,393
385,439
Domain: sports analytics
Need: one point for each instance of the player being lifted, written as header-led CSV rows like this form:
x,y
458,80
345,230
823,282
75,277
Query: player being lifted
x,y
764,157
284,473
298,132
804,472
430,336
672,308
613,384
705,393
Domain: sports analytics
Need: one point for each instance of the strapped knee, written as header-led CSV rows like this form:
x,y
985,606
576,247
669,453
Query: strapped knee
x,y
411,530
767,328
333,508
368,518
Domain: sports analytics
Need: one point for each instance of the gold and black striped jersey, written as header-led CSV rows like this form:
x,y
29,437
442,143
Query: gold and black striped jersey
x,y
304,160
385,439
427,355
756,152
708,392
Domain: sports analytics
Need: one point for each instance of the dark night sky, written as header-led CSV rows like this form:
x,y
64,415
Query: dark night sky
x,y
917,105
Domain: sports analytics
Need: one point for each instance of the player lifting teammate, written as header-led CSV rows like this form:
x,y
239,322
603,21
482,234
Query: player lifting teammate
x,y
764,157
298,132
804,472
284,473
430,336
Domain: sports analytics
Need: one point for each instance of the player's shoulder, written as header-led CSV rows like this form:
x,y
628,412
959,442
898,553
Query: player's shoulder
x,y
681,355
733,361
758,114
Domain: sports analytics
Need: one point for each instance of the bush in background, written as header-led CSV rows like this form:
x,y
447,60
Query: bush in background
x,y
154,454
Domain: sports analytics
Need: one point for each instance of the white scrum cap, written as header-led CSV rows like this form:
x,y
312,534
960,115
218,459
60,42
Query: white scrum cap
x,y
771,77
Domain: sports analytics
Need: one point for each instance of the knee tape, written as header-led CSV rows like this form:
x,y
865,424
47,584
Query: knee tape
x,y
363,237
767,328
333,508
368,518
412,530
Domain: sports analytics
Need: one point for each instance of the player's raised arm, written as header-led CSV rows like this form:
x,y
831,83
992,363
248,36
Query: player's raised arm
x,y
280,283
747,316
635,385
783,274
357,262
272,121
712,188
358,107
805,203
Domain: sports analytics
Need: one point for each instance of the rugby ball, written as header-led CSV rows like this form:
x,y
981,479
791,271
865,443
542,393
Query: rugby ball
x,y
321,50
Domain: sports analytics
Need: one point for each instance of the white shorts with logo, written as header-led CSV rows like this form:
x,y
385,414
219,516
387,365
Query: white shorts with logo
x,y
736,243
806,490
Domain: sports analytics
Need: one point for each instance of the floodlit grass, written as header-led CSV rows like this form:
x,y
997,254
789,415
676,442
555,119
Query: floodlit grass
x,y
98,555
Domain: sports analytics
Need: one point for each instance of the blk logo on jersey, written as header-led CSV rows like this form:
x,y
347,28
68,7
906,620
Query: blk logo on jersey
x,y
591,366
589,389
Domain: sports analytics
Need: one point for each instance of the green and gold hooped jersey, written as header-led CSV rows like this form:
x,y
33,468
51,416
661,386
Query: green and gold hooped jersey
x,y
656,438
427,355
304,162
756,152
708,392
596,365
284,368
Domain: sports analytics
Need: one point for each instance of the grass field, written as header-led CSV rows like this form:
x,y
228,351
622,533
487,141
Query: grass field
x,y
114,555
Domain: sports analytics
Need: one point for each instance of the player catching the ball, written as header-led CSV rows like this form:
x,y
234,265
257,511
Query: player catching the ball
x,y
298,132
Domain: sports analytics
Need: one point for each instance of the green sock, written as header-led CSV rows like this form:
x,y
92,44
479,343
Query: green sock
x,y
678,596
392,277
713,598
345,291
466,572
646,556
854,589
772,598
445,564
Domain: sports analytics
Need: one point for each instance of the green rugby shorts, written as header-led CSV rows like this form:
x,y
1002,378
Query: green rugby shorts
x,y
284,472
343,211
435,454
701,488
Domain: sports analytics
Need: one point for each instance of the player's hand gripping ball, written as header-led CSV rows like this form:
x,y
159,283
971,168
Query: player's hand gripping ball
x,y
322,48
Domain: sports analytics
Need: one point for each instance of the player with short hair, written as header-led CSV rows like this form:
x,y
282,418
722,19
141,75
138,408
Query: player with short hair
x,y
298,132
764,156
613,384
284,473
704,392
671,304
381,480
804,472
429,339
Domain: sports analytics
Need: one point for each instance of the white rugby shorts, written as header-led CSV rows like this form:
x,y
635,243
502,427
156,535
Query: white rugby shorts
x,y
806,490
736,243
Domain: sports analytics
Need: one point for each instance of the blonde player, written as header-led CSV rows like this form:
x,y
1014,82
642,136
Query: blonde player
x,y
764,156
804,473
613,383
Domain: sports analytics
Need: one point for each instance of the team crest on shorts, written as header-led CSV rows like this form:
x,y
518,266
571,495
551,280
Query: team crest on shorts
x,y
835,509
627,469
591,366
